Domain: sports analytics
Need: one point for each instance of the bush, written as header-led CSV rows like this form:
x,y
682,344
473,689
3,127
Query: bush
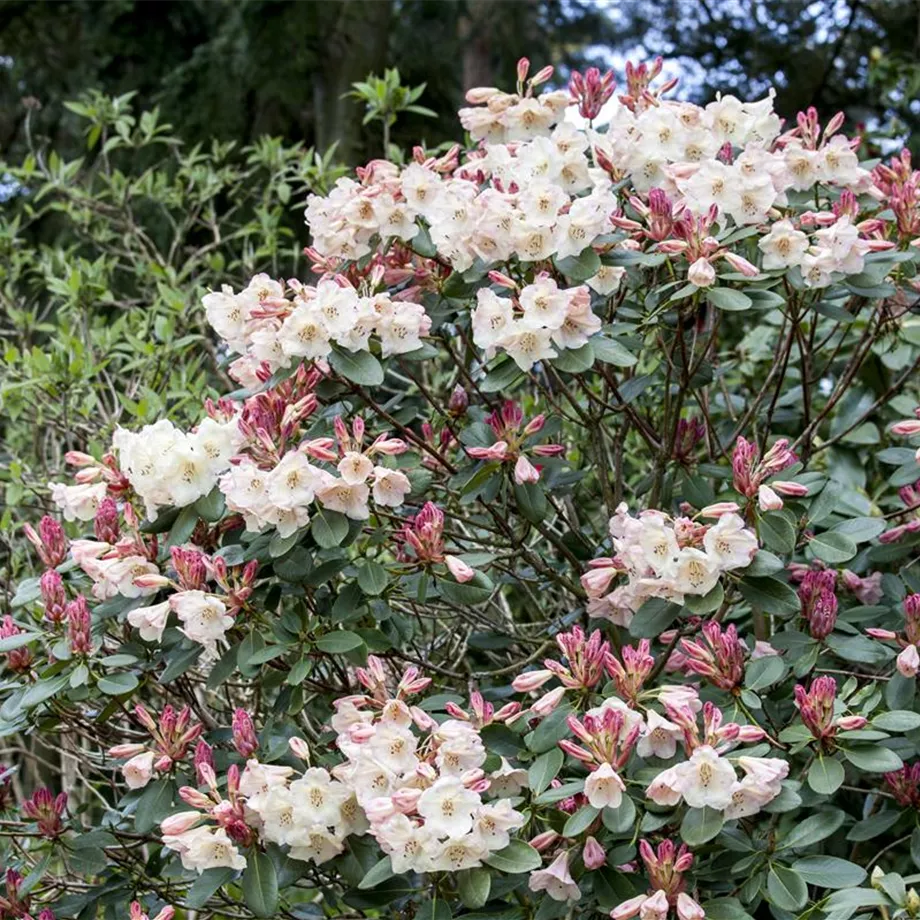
x,y
555,551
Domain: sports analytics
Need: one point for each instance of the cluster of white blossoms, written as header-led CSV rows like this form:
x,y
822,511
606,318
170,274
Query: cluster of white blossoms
x,y
422,793
203,616
536,189
311,813
529,326
272,325
168,467
709,780
283,497
834,249
531,200
664,557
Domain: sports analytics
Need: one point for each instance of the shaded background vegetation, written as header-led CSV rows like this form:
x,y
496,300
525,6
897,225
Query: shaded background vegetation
x,y
238,69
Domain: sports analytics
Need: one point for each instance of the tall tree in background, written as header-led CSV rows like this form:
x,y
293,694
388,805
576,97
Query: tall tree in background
x,y
236,69
825,53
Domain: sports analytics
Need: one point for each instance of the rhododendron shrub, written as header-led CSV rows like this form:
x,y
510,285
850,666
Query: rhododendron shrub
x,y
555,554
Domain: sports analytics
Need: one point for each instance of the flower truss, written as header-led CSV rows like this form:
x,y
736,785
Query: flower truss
x,y
556,552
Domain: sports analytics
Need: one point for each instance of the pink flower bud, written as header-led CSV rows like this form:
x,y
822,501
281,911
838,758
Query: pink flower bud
x,y
548,702
908,663
688,909
180,823
741,265
459,569
851,723
790,489
194,798
908,428
701,273
531,680
878,633
720,508
497,451
544,841
593,854
525,471
300,748
125,750
768,500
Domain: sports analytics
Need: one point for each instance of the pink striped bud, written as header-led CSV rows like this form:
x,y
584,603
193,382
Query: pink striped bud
x,y
851,723
523,65
544,841
180,823
790,489
768,500
750,733
194,798
548,702
525,471
878,633
720,508
542,76
459,569
741,265
497,451
479,95
406,799
300,748
593,854
531,680
151,581
908,428
126,750
908,663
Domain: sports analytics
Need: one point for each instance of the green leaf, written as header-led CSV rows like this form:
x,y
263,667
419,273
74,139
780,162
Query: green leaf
x,y
873,826
829,871
211,506
832,547
581,267
700,825
574,360
372,578
610,351
153,805
359,367
260,884
580,821
786,889
183,527
814,828
531,500
378,873
515,858
825,775
469,594
770,595
544,770
873,758
501,377
329,528
338,642
898,720
861,529
117,684
728,299
700,605
207,885
777,532
619,820
652,618
473,886
826,502
764,672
